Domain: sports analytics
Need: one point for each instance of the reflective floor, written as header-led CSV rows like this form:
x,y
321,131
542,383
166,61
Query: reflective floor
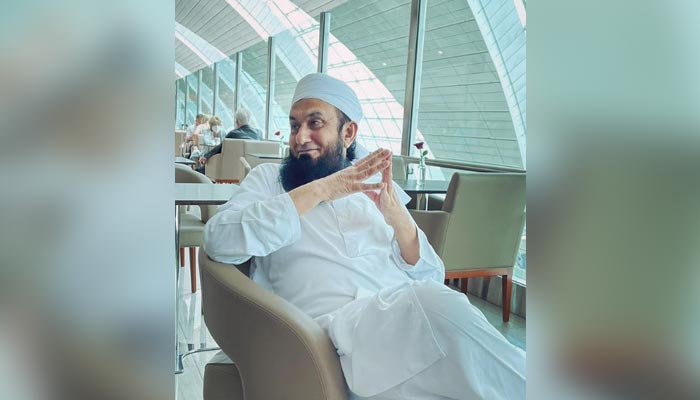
x,y
192,330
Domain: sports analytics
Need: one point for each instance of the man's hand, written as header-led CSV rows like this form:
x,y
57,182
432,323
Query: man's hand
x,y
342,183
351,180
396,216
202,160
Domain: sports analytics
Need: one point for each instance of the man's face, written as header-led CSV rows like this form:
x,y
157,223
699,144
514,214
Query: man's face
x,y
314,129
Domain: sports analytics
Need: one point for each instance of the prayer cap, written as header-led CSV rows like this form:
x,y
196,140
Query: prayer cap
x,y
331,90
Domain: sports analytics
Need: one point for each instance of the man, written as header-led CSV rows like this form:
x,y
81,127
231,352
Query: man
x,y
344,249
199,124
241,131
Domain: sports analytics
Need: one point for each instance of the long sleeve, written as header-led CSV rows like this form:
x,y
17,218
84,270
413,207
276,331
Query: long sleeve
x,y
258,220
429,265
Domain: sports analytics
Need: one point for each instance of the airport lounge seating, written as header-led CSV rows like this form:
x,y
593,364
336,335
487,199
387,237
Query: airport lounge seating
x,y
278,352
477,232
226,167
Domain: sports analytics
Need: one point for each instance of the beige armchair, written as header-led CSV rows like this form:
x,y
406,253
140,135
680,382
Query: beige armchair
x,y
179,139
399,169
478,230
278,352
226,167
246,166
192,227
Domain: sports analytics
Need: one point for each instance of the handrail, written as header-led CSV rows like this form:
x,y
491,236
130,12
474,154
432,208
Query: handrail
x,y
464,166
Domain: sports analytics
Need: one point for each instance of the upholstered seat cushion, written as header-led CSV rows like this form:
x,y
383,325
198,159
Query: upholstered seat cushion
x,y
191,230
222,379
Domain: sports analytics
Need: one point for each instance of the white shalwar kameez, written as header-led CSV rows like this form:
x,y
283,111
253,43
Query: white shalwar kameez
x,y
399,331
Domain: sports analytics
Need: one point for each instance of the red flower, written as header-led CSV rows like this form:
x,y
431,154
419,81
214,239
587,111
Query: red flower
x,y
419,145
278,133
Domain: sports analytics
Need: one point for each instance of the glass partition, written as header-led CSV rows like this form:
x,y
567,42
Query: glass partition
x,y
180,103
296,56
206,96
463,113
191,99
254,83
368,47
225,99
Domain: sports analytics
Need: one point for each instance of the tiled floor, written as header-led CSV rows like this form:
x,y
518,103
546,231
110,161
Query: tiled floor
x,y
192,329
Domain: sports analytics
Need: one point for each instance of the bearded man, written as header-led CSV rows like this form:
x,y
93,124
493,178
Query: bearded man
x,y
334,238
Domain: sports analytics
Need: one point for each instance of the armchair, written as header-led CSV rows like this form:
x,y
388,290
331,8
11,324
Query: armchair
x,y
478,230
279,352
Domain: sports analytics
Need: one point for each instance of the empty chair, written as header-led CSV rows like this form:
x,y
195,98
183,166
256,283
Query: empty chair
x,y
278,352
192,227
398,168
477,232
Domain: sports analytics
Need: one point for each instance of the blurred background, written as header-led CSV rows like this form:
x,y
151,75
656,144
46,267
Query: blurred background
x,y
86,212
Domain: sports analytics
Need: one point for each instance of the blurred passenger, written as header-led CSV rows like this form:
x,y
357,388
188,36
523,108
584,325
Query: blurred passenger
x,y
345,250
242,130
199,120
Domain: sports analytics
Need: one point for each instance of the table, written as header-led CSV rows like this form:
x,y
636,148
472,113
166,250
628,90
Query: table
x,y
193,194
411,186
183,160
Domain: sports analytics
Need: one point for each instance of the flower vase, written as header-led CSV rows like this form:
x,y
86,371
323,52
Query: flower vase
x,y
421,172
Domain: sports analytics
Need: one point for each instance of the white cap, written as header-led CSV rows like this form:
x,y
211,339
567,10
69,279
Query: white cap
x,y
331,90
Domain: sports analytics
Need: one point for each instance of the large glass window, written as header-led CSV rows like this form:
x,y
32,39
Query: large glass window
x,y
296,56
180,89
206,96
254,83
368,48
191,99
463,113
227,85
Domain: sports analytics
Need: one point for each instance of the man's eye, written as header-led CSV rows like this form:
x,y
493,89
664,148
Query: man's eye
x,y
315,123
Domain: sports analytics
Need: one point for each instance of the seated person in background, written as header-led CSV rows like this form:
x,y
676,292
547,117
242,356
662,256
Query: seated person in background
x,y
199,120
241,131
208,136
344,249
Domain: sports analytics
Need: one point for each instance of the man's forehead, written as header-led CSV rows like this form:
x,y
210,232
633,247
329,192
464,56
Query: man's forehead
x,y
307,108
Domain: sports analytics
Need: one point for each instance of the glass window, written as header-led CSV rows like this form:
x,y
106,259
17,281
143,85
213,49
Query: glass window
x,y
254,83
227,85
180,103
191,99
463,113
206,96
296,56
368,47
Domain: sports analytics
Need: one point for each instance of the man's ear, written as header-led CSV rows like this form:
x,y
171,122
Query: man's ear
x,y
349,133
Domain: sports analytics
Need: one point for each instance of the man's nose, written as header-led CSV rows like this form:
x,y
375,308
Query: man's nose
x,y
303,135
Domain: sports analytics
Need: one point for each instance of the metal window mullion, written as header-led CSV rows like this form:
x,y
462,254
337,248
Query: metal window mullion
x,y
323,37
199,92
414,66
177,93
187,97
270,84
216,89
237,81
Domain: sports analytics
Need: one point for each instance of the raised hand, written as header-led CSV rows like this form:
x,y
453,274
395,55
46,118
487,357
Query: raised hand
x,y
387,200
350,180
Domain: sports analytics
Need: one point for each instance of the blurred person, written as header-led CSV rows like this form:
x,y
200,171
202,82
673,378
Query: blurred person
x,y
345,250
242,130
199,121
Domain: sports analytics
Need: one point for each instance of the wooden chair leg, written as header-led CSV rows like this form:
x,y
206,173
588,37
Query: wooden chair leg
x,y
506,288
182,256
463,284
193,268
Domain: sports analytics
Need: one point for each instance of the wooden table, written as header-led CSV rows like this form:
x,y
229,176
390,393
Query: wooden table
x,y
193,194
411,186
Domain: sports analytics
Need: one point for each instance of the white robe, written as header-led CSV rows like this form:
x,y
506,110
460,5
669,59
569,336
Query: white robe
x,y
341,264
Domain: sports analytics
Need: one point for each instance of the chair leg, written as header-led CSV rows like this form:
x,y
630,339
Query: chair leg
x,y
506,288
182,256
463,284
193,268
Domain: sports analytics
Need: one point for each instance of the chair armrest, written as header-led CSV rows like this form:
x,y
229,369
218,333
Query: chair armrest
x,y
434,225
281,352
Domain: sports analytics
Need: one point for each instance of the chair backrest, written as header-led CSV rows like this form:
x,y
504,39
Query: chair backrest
x,y
398,168
179,138
231,152
280,352
185,174
487,213
246,166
